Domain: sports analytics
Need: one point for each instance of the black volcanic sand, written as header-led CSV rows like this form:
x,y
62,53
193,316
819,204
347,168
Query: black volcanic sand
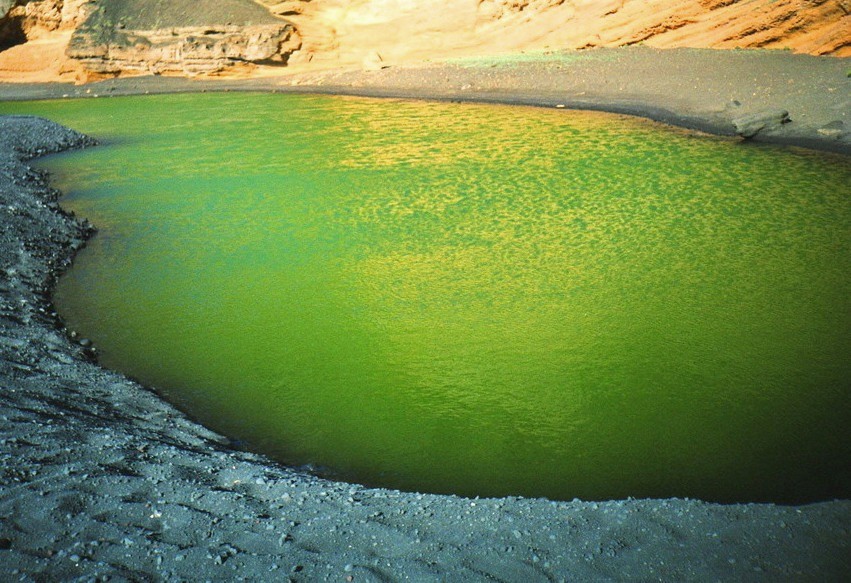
x,y
701,89
101,479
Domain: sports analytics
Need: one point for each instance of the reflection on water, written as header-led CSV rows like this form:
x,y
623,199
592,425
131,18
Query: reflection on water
x,y
473,299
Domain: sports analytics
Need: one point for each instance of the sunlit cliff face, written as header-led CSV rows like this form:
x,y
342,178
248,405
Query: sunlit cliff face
x,y
339,32
401,29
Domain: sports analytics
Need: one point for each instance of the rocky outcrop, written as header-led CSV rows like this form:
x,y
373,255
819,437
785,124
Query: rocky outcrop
x,y
285,8
184,38
750,125
187,50
33,38
22,20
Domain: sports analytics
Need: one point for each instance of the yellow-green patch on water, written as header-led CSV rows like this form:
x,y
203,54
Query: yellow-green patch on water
x,y
475,299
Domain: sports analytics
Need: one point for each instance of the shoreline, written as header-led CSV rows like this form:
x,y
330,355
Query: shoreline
x,y
703,90
104,478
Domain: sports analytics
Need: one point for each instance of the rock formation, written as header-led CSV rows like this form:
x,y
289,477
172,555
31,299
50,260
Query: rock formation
x,y
346,30
33,37
748,126
210,36
23,20
183,37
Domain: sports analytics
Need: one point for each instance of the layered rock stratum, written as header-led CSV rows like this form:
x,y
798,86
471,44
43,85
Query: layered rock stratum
x,y
180,37
59,39
400,30
94,39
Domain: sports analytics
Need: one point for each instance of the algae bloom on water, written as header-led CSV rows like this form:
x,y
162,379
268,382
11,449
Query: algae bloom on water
x,y
473,299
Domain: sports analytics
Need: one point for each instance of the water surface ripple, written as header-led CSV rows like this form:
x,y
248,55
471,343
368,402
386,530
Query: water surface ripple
x,y
475,299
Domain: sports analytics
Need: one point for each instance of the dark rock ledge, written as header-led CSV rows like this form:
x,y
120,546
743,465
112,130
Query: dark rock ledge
x,y
102,480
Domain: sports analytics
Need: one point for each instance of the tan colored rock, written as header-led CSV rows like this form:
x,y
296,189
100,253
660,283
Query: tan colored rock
x,y
340,32
286,8
188,50
32,20
33,38
135,35
36,19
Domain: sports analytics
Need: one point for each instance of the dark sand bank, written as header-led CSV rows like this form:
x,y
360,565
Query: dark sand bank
x,y
701,89
100,477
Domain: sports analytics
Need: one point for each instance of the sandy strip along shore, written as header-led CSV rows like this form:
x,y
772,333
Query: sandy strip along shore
x,y
701,89
99,478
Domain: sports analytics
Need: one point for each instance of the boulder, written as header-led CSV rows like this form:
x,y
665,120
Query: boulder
x,y
188,37
748,126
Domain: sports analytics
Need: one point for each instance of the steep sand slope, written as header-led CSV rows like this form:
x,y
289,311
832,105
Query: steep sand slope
x,y
401,30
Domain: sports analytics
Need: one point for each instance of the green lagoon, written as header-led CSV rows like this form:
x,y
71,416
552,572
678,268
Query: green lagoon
x,y
472,299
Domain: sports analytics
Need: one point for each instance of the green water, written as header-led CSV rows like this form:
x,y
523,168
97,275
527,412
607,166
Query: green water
x,y
474,299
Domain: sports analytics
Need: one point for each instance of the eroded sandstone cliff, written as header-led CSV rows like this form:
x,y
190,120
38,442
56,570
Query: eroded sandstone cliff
x,y
180,36
91,38
48,38
34,35
350,30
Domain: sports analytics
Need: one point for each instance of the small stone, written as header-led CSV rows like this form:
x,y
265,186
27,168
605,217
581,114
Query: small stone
x,y
834,129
